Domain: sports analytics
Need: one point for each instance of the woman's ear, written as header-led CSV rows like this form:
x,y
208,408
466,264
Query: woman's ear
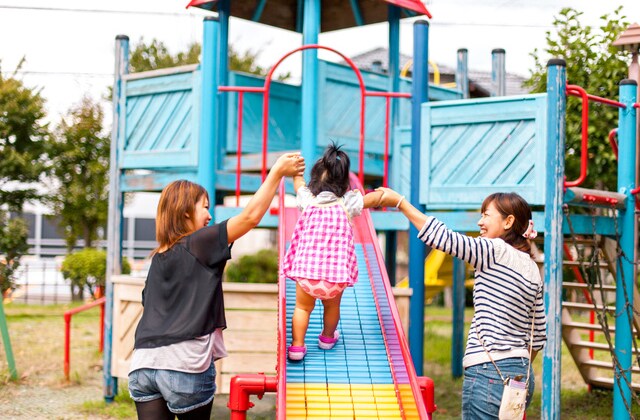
x,y
508,221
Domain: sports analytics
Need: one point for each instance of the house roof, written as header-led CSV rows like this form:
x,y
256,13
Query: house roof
x,y
336,14
377,60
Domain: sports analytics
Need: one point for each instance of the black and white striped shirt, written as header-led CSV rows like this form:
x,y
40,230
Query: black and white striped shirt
x,y
507,287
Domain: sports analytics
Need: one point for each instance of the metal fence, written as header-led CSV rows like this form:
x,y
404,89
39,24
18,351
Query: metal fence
x,y
39,281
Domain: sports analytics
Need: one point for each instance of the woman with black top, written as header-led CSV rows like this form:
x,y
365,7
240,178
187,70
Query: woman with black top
x,y
180,332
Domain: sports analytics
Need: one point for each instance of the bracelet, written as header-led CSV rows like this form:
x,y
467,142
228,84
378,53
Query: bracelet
x,y
399,202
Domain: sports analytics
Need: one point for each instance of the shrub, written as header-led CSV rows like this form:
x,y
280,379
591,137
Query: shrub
x,y
87,268
261,267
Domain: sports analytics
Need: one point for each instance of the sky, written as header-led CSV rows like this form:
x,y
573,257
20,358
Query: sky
x,y
69,44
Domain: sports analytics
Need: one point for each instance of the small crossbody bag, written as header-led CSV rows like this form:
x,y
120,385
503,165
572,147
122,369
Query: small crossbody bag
x,y
514,396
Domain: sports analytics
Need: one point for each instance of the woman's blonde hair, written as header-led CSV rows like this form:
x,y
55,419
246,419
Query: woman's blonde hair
x,y
177,200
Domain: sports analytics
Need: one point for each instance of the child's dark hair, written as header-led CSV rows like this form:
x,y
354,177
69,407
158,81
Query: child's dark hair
x,y
512,204
331,172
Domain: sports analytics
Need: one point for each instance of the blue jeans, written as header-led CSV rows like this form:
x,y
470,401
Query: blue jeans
x,y
182,391
482,387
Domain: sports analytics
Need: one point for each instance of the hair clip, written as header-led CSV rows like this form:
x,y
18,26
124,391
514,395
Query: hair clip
x,y
530,233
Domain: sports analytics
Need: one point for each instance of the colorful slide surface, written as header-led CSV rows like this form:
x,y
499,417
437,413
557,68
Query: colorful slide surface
x,y
369,373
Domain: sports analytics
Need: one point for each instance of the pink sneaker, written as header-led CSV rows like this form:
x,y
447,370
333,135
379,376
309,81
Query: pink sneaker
x,y
326,343
296,352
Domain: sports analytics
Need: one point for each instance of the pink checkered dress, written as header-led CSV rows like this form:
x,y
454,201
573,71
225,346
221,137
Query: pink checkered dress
x,y
322,246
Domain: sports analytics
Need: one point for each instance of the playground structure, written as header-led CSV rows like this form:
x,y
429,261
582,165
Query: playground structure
x,y
446,156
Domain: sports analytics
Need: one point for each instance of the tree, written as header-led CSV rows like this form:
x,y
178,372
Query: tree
x,y
13,244
80,165
22,155
594,64
22,142
156,55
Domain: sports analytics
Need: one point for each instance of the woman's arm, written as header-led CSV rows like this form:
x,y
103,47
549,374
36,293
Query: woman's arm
x,y
434,233
391,198
290,164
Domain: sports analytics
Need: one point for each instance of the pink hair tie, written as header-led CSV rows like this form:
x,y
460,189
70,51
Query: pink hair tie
x,y
530,233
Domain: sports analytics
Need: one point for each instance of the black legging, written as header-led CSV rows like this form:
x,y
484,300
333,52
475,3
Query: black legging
x,y
158,410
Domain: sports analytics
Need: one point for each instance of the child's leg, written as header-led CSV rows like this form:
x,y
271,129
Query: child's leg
x,y
331,315
301,314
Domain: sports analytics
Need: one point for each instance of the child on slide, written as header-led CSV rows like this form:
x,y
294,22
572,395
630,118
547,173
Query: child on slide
x,y
322,258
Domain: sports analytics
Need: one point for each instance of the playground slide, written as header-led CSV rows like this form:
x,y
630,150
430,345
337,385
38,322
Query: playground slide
x,y
369,374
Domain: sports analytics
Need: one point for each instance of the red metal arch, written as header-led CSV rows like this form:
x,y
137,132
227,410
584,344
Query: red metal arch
x,y
265,90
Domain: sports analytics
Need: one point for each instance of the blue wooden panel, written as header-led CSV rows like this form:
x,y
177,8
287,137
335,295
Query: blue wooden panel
x,y
340,107
400,177
154,181
162,122
284,116
472,148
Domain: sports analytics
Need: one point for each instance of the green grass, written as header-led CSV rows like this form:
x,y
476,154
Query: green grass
x,y
37,337
122,407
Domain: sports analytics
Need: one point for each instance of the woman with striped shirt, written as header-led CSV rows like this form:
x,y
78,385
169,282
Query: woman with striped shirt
x,y
509,324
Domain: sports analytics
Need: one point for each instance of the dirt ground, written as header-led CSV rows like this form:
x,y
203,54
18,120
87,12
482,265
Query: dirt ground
x,y
42,392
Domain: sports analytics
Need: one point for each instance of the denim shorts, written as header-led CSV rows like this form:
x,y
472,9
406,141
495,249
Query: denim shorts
x,y
482,387
182,391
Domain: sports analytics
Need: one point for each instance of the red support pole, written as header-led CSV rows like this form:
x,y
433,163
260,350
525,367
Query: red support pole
x,y
67,330
242,386
239,151
101,328
67,344
387,111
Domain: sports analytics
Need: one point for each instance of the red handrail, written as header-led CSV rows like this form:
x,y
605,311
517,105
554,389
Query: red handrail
x,y
578,91
404,348
240,90
281,402
612,141
265,90
67,331
387,96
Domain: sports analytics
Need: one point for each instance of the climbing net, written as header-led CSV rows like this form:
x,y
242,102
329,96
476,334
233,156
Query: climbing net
x,y
591,270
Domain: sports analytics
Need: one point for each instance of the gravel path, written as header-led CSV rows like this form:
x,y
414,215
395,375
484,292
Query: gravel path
x,y
44,401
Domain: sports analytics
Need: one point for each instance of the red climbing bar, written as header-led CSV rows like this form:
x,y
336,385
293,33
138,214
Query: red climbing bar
x,y
574,90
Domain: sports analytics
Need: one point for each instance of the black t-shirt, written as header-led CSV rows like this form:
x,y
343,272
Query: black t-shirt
x,y
182,296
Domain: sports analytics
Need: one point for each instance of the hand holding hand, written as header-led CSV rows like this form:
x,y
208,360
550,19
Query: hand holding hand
x,y
289,164
389,198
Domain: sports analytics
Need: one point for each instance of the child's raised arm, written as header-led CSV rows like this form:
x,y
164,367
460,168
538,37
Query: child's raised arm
x,y
373,199
289,164
298,181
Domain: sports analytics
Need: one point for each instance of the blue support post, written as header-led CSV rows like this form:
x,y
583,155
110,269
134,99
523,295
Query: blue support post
x,y
556,137
457,340
222,72
498,73
309,102
391,243
625,270
208,150
462,73
114,217
420,95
